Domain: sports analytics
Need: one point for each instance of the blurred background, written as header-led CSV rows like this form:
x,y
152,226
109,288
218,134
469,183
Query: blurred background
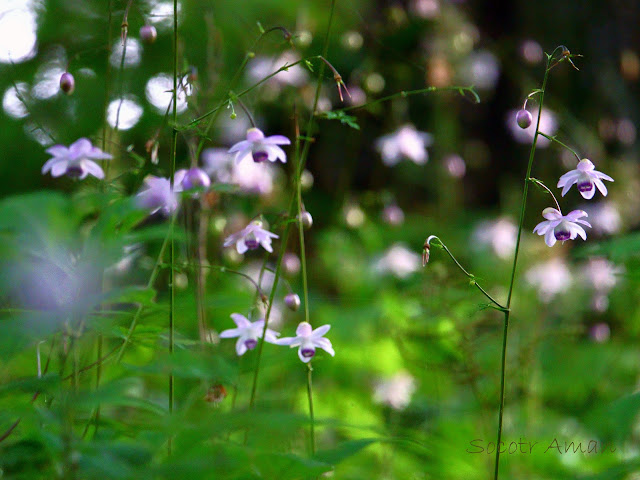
x,y
417,355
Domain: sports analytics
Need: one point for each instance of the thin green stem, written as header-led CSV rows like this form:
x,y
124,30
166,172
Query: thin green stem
x,y
539,183
249,55
174,145
554,139
408,93
152,278
507,312
469,275
312,433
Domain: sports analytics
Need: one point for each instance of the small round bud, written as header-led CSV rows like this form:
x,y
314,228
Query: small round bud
x,y
306,219
148,34
523,118
195,178
67,83
292,301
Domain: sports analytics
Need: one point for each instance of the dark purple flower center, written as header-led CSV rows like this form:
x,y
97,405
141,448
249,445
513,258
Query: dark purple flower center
x,y
308,352
74,171
250,344
251,242
562,235
260,156
585,186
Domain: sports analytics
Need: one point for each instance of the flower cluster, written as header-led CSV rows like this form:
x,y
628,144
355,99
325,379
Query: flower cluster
x,y
567,227
306,339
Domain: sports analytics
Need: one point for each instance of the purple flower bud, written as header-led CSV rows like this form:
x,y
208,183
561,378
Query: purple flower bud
x,y
148,34
195,178
524,119
306,219
292,300
67,83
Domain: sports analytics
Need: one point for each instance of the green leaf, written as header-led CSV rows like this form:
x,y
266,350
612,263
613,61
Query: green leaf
x,y
344,450
343,118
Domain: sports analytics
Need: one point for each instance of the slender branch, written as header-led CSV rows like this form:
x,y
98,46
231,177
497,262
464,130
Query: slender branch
x,y
174,145
427,246
408,93
312,434
539,183
554,139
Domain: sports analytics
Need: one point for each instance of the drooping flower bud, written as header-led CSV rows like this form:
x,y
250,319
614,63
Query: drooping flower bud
x,y
67,83
195,178
148,34
523,118
306,219
292,301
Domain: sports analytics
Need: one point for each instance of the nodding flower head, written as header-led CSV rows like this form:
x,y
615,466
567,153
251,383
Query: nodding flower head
x,y
260,148
426,249
77,161
561,227
586,179
248,333
193,178
251,237
148,34
308,340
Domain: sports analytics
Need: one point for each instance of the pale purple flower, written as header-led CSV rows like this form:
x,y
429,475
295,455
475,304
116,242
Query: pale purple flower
x,y
251,237
550,278
77,161
586,178
499,234
194,178
399,261
561,227
260,148
308,340
248,333
406,142
158,196
252,178
395,391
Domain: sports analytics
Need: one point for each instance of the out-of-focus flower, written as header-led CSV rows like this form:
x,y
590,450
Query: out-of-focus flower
x,y
248,333
406,142
353,215
77,161
291,264
251,237
260,67
395,391
481,69
600,332
456,166
548,125
393,215
586,178
604,217
550,278
399,261
531,51
260,148
308,340
499,234
194,178
157,195
602,274
250,177
561,227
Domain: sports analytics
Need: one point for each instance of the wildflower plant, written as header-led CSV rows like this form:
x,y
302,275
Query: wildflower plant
x,y
555,227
